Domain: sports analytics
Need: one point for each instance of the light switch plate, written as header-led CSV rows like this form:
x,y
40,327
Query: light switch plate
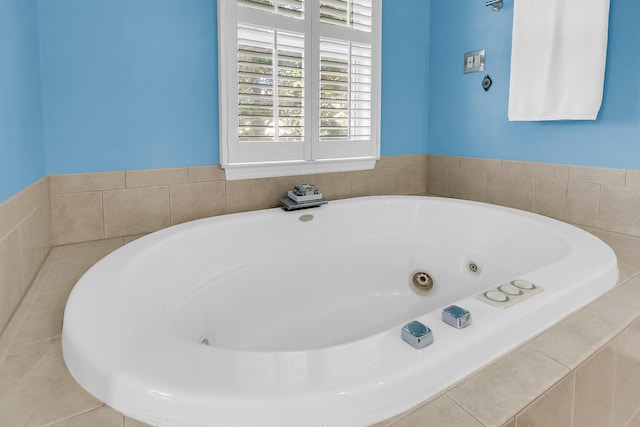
x,y
474,61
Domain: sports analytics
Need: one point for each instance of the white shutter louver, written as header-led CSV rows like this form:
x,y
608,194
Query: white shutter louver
x,y
293,8
345,90
356,14
270,85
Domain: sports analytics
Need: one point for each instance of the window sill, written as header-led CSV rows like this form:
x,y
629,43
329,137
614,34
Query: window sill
x,y
239,171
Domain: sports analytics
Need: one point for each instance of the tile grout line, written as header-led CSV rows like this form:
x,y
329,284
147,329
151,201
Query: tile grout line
x,y
53,423
573,397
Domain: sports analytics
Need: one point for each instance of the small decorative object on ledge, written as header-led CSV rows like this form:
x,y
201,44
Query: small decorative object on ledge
x,y
303,196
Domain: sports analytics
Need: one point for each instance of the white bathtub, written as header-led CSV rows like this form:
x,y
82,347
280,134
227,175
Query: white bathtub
x,y
303,318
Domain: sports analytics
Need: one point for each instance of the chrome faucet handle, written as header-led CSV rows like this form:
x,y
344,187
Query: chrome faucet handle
x,y
456,316
417,334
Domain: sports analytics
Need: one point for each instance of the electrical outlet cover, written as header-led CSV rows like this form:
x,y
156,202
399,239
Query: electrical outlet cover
x,y
474,61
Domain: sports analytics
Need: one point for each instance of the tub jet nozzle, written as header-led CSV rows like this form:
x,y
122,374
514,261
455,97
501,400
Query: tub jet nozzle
x,y
422,281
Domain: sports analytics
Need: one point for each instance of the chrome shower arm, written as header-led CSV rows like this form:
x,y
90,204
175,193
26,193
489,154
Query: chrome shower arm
x,y
496,5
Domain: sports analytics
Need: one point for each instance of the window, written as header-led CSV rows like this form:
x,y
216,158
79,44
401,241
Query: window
x,y
299,86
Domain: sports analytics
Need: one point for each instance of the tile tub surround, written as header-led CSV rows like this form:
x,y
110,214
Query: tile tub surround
x,y
585,371
95,206
24,243
603,198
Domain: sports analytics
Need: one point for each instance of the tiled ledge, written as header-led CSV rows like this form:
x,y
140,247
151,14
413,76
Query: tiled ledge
x,y
582,372
95,206
604,198
585,371
24,243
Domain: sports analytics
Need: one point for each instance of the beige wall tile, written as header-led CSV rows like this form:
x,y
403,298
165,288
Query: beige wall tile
x,y
397,175
633,178
197,200
101,417
517,379
562,172
540,170
392,181
362,183
334,185
551,409
582,203
468,184
206,173
381,181
626,388
571,341
480,164
592,175
438,161
514,191
32,196
135,211
85,182
76,217
620,210
10,215
36,387
593,399
550,197
417,179
250,194
11,286
401,161
438,181
156,177
620,306
17,207
33,241
440,412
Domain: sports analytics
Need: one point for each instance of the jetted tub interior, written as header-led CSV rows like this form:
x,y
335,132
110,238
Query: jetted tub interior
x,y
294,318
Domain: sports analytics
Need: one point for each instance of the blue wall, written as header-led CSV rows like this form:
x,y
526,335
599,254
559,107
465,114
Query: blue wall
x,y
129,84
405,46
21,142
133,84
465,120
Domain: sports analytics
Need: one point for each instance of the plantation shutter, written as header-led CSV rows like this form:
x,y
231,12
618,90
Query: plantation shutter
x,y
300,83
345,90
270,85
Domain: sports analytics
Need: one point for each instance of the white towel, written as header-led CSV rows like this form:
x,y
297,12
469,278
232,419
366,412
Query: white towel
x,y
558,59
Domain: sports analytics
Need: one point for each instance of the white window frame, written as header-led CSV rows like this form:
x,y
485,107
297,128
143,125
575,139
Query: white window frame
x,y
269,159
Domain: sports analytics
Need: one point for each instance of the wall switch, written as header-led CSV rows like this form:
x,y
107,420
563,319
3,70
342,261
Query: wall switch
x,y
474,61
